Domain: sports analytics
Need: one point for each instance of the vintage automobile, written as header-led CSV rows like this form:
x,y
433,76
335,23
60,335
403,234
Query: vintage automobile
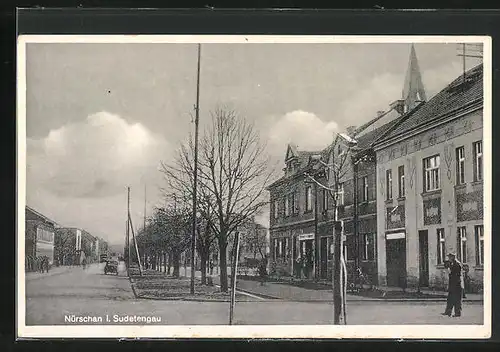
x,y
111,267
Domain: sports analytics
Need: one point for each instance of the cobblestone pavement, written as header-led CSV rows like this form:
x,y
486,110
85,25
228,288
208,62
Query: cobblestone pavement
x,y
90,293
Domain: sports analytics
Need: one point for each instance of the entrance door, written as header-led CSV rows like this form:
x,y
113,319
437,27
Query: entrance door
x,y
396,262
324,257
423,258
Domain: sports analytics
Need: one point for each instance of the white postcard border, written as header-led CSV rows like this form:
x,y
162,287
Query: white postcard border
x,y
249,331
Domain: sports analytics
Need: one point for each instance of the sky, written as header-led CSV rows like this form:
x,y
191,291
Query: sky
x,y
101,117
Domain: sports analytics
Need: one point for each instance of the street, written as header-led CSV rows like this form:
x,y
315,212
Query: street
x,y
75,293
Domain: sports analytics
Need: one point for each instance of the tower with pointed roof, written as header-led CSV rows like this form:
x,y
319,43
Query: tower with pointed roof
x,y
413,89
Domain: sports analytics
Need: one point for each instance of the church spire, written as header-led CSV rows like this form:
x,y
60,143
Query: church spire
x,y
413,90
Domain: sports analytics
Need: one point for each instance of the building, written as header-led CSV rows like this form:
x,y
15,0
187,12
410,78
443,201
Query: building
x,y
304,208
39,237
73,245
430,200
293,214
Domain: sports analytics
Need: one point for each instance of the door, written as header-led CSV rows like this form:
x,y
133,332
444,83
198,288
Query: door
x,y
323,257
423,258
396,262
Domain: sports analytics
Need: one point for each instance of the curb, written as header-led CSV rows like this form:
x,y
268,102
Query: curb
x,y
379,300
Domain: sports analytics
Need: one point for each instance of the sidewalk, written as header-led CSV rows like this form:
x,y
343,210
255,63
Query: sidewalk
x,y
289,292
54,271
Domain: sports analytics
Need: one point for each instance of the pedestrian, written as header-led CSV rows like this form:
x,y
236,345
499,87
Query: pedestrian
x,y
211,267
263,271
455,286
84,263
298,266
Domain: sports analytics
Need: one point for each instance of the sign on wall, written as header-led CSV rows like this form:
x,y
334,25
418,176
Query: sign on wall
x,y
306,236
470,206
432,211
395,217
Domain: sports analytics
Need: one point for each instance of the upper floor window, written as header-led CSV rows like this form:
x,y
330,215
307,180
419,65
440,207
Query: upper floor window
x,y
364,189
308,198
44,235
478,160
401,181
431,173
388,179
368,246
287,206
325,200
340,194
460,155
274,206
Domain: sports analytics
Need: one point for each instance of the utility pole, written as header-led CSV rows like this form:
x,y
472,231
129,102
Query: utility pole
x,y
195,171
127,248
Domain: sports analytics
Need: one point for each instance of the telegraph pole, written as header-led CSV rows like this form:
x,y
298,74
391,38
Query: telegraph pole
x,y
195,171
128,228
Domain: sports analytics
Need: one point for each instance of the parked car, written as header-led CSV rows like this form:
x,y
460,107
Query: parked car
x,y
111,267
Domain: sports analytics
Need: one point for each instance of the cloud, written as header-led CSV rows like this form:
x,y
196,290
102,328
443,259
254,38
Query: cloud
x,y
303,128
95,158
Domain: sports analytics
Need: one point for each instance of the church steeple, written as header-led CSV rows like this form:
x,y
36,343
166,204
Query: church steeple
x,y
413,90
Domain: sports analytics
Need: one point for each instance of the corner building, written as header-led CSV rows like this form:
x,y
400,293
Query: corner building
x,y
430,189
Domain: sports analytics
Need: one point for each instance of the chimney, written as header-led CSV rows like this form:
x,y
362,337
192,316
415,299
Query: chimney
x,y
399,106
380,113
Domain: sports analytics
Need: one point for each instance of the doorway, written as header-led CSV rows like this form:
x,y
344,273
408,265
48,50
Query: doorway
x,y
423,238
396,262
323,257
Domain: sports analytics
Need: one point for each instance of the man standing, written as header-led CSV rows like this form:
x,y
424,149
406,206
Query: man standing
x,y
455,286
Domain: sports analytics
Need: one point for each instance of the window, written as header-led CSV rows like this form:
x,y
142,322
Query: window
x,y
44,235
339,150
368,246
462,244
285,252
364,185
478,160
401,181
441,248
325,200
295,203
287,206
349,248
479,232
460,155
431,173
276,253
340,194
308,199
388,180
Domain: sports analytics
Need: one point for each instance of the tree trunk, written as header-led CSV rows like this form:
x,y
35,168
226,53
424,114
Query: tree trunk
x,y
169,262
223,266
165,262
203,266
176,263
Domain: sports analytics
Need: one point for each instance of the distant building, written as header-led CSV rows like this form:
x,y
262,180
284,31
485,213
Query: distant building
x,y
73,245
39,237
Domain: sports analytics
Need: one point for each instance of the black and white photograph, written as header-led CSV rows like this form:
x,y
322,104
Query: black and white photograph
x,y
254,186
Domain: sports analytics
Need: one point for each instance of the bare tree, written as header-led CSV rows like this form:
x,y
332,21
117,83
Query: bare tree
x,y
233,172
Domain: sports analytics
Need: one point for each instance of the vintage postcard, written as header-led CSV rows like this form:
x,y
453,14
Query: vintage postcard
x,y
254,187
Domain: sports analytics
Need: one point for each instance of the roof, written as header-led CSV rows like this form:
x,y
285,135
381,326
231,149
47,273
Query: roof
x,y
35,215
455,96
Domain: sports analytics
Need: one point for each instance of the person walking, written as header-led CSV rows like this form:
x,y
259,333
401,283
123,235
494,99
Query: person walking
x,y
455,286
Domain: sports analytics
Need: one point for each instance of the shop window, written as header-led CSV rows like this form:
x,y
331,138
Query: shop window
x,y
441,246
368,246
479,233
462,244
